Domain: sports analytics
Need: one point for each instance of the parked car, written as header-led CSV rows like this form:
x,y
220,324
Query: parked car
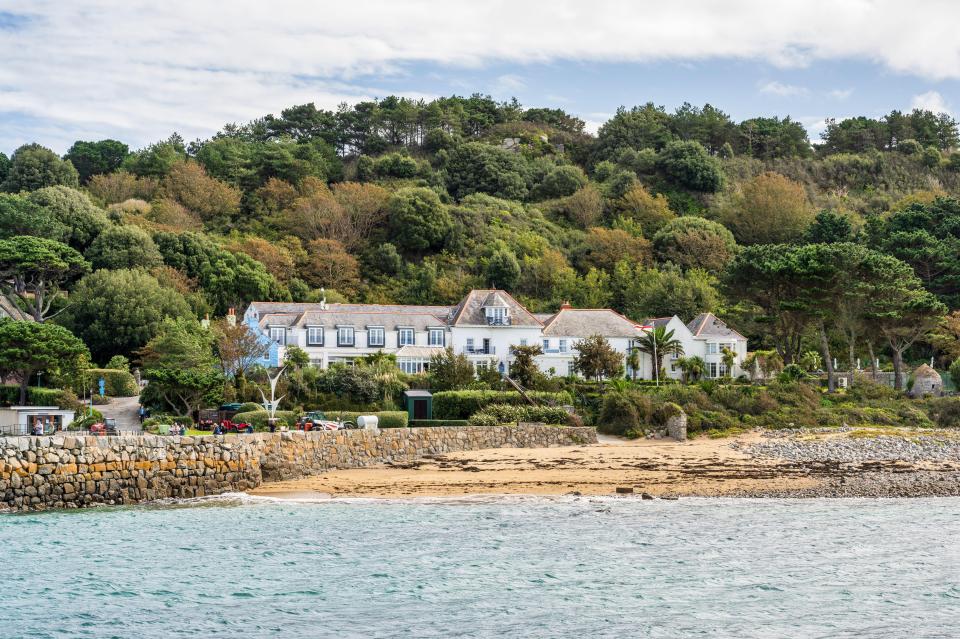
x,y
317,420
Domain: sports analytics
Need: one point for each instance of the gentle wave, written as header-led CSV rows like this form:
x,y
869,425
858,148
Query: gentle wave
x,y
485,566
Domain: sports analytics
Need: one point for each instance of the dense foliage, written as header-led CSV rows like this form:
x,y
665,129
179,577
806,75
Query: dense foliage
x,y
845,246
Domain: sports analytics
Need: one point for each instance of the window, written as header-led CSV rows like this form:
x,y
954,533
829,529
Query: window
x,y
314,336
723,369
374,336
523,342
563,346
405,336
713,369
278,334
546,344
711,348
344,336
469,348
435,337
496,315
413,366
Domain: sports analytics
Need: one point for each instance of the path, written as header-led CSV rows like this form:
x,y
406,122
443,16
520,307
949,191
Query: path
x,y
124,410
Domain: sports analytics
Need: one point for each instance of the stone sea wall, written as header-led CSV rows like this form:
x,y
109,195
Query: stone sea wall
x,y
39,473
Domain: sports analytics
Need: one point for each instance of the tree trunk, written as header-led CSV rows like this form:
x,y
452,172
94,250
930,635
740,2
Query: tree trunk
x,y
825,352
897,368
873,359
24,384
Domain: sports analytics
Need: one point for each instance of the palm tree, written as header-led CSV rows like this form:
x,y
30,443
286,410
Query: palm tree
x,y
633,361
693,368
729,359
658,343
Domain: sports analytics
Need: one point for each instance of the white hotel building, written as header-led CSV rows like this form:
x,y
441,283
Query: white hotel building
x,y
483,326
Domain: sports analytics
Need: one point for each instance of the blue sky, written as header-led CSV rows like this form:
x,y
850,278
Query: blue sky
x,y
138,70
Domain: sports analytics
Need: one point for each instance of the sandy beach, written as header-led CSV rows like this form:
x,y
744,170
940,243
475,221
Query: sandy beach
x,y
752,464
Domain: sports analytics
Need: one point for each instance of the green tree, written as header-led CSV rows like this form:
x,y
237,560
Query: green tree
x,y
480,168
503,270
180,366
118,312
20,216
119,362
657,343
523,366
33,167
74,210
689,165
562,182
418,220
32,269
644,292
692,368
27,348
124,247
96,158
596,359
641,127
829,227
449,371
156,159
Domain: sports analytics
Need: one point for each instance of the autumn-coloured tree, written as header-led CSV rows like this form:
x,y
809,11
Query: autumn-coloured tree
x,y
603,248
651,212
274,257
120,186
769,209
213,200
330,266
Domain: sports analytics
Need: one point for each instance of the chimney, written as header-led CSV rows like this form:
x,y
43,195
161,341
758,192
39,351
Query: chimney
x,y
565,306
232,317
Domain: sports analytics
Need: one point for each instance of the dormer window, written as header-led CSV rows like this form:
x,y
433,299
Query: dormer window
x,y
497,315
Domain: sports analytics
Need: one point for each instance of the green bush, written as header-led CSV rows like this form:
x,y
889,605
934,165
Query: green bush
x,y
944,411
509,414
249,407
618,415
461,404
258,418
117,383
436,423
86,420
10,396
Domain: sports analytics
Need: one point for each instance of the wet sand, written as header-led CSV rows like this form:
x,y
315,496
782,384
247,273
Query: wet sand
x,y
704,467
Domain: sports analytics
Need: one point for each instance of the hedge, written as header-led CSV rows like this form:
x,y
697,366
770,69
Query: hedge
x,y
435,423
387,418
10,395
464,403
496,414
248,407
258,418
117,382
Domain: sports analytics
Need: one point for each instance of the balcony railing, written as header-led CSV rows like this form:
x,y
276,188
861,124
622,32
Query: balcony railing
x,y
498,321
479,350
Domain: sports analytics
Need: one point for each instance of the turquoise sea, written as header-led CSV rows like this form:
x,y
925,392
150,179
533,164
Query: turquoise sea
x,y
245,567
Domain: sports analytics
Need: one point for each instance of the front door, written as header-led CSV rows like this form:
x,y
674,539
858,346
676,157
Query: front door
x,y
420,409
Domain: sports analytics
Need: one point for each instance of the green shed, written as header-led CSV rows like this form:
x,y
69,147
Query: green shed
x,y
419,404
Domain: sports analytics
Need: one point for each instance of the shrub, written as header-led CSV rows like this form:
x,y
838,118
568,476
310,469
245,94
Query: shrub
x,y
10,396
944,411
86,420
464,403
117,382
249,407
258,418
509,414
618,415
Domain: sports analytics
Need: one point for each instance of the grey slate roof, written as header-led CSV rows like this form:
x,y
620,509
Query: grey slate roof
x,y
470,311
584,322
299,307
709,325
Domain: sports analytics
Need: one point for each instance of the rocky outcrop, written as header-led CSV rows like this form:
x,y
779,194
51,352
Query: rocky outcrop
x,y
38,473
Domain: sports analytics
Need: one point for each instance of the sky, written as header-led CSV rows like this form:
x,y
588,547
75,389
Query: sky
x,y
138,70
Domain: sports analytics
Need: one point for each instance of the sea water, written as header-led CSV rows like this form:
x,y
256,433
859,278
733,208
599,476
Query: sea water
x,y
497,567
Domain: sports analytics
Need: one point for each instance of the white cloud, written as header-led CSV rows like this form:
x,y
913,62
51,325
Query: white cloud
x,y
839,94
931,101
780,89
141,69
508,84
